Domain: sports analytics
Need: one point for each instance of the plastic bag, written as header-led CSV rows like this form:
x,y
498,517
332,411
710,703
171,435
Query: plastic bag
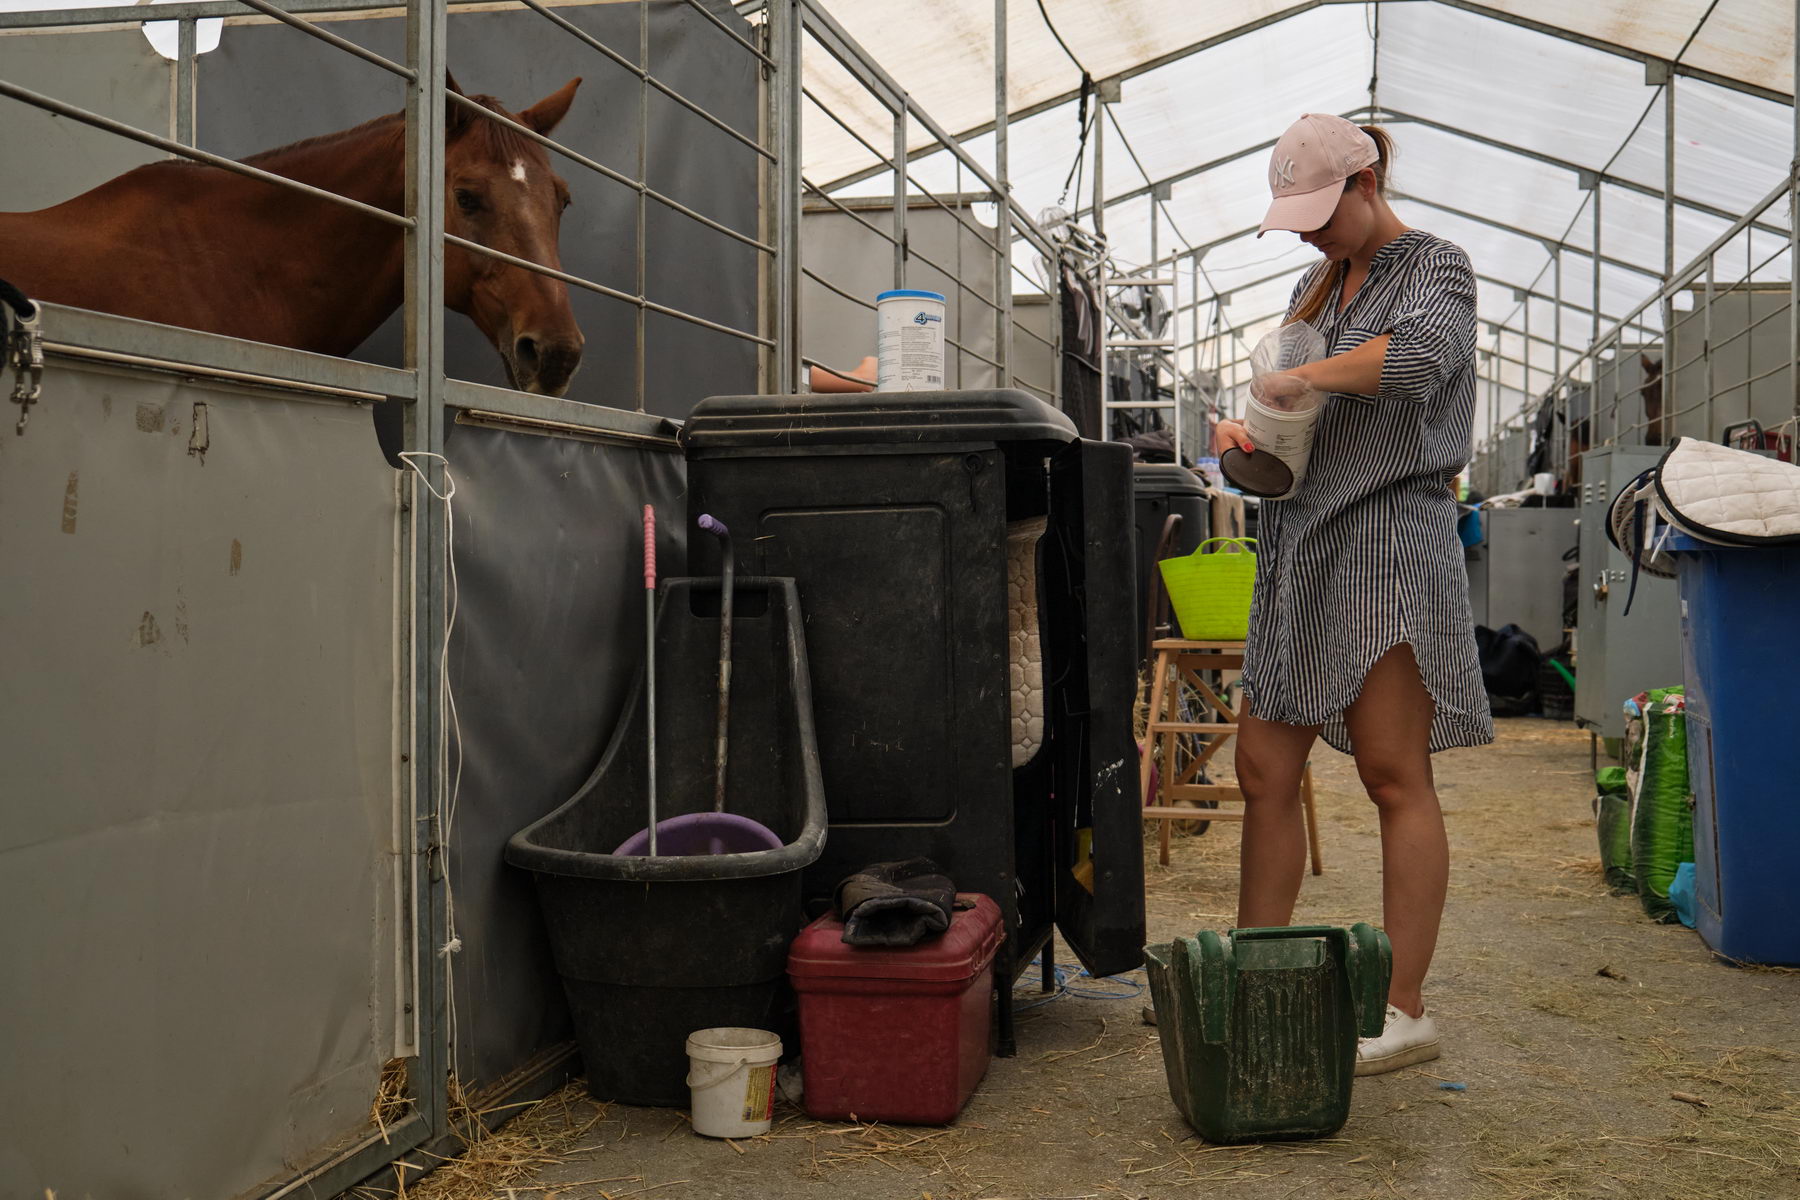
x,y
1290,346
1283,410
1280,351
1681,893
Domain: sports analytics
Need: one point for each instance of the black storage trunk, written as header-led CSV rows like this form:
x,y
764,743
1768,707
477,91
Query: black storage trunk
x,y
1158,490
891,512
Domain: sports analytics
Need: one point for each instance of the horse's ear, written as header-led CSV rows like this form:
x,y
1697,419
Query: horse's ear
x,y
547,113
455,115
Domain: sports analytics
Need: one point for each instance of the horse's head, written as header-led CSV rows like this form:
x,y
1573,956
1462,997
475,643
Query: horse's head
x,y
501,192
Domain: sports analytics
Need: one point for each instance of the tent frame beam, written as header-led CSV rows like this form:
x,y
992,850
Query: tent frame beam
x,y
1163,60
1630,185
1236,330
1548,243
1194,172
1394,115
1546,298
1614,48
1542,239
1468,6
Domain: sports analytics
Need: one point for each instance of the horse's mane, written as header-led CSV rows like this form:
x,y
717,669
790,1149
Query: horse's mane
x,y
501,139
392,123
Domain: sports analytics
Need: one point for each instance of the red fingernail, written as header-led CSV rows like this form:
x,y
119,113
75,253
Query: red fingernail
x,y
1249,449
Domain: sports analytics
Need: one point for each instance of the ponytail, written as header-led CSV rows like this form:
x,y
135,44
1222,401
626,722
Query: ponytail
x,y
1325,281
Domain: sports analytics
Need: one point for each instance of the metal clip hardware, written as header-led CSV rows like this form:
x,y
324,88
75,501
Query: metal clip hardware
x,y
25,355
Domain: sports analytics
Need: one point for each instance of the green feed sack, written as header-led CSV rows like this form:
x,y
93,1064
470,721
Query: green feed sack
x,y
1611,781
1612,819
1662,822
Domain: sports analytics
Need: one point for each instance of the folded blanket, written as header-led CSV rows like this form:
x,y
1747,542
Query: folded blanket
x,y
895,903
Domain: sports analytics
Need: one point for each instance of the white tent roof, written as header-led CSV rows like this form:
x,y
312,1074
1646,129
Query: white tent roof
x,y
1495,107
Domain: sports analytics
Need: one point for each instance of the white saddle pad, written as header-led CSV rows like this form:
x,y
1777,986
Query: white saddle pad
x,y
1725,495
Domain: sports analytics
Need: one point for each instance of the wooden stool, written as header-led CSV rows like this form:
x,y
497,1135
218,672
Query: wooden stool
x,y
1180,660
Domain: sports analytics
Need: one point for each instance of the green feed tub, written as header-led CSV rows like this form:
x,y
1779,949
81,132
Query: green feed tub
x,y
1259,1029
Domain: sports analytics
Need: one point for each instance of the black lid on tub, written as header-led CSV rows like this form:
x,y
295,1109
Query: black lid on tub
x,y
1167,478
873,418
1256,474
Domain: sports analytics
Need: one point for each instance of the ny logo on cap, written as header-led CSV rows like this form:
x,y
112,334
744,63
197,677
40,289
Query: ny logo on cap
x,y
1284,172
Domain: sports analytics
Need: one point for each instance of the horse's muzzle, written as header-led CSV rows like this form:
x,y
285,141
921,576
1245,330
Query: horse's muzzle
x,y
544,367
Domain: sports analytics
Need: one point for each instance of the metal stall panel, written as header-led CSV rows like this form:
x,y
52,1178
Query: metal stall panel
x,y
858,260
1618,655
1741,349
1515,448
114,73
204,948
1033,364
1476,562
548,640
267,86
1523,570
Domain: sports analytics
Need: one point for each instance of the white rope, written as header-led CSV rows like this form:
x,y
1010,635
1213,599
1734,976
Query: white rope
x,y
445,808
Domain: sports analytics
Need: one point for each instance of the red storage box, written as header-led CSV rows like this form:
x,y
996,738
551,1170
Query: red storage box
x,y
897,1035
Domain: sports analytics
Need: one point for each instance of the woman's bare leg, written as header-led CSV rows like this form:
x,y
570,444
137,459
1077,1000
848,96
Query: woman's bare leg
x,y
1271,757
1390,729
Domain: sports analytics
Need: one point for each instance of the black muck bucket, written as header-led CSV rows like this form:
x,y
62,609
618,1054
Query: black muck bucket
x,y
652,949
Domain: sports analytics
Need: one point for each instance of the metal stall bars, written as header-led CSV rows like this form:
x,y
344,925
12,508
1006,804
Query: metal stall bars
x,y
824,33
76,336
1716,334
428,396
1699,341
1692,354
777,176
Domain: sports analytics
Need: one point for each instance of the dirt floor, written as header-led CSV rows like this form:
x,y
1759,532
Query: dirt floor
x,y
1600,1054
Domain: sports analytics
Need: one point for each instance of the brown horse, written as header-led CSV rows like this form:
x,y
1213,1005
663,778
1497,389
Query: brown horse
x,y
205,248
1653,399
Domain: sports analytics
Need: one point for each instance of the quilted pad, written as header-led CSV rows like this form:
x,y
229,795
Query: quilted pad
x,y
1025,649
1723,494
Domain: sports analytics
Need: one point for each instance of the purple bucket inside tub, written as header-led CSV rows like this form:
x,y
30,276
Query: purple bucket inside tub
x,y
702,833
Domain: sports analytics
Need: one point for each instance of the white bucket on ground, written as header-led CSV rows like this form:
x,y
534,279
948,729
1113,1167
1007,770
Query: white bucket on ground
x,y
909,341
731,1076
1287,433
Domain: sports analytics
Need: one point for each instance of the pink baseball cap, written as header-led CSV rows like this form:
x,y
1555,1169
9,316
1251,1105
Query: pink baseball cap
x,y
1307,171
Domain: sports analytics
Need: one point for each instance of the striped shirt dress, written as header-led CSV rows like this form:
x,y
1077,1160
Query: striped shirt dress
x,y
1364,556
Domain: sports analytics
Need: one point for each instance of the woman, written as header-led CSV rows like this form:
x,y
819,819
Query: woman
x,y
1360,627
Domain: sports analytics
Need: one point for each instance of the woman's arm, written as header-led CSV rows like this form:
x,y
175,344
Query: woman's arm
x,y
1356,372
1434,337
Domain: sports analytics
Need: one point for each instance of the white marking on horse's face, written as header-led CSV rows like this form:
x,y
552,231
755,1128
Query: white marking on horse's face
x,y
518,171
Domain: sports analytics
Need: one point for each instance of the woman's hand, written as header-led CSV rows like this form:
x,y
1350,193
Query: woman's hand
x,y
1279,386
1231,433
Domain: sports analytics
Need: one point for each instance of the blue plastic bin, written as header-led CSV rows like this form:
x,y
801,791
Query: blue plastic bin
x,y
1743,715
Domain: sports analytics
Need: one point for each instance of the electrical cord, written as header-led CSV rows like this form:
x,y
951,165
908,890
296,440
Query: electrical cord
x,y
1083,119
1051,25
1131,988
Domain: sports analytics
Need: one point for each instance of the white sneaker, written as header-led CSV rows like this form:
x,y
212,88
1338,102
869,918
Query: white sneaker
x,y
1404,1041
